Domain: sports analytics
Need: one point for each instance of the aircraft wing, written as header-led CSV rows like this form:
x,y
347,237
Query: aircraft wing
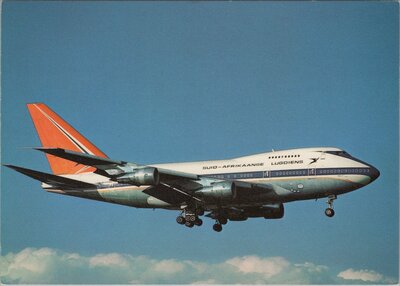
x,y
173,186
170,194
111,168
274,192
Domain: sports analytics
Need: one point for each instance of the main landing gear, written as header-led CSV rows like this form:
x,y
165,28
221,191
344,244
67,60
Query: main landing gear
x,y
218,224
329,211
190,219
217,227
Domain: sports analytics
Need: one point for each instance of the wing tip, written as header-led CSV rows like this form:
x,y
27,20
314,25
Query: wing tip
x,y
8,166
15,168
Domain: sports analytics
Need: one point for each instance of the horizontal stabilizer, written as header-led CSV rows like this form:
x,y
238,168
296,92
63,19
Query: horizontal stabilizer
x,y
81,158
53,180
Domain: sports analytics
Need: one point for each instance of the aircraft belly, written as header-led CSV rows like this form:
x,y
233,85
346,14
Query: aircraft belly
x,y
317,187
86,194
286,190
132,197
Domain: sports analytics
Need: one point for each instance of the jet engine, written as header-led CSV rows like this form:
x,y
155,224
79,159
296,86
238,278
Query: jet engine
x,y
139,177
224,191
272,211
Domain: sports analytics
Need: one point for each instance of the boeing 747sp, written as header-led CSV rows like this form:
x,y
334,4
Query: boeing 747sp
x,y
234,189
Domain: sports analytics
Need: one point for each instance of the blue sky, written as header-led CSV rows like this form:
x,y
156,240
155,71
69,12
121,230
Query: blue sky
x,y
185,81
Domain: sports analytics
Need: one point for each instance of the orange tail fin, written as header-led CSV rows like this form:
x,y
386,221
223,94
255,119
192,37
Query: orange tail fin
x,y
54,132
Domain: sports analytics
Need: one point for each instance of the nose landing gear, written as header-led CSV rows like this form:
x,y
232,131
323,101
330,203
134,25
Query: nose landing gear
x,y
329,212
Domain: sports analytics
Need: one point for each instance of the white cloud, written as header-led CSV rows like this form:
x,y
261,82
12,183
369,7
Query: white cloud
x,y
168,266
23,266
311,267
364,275
49,266
112,259
254,264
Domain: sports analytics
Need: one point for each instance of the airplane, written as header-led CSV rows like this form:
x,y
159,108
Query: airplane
x,y
227,190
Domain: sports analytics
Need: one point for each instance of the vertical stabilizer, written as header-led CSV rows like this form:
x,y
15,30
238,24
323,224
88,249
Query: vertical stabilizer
x,y
55,132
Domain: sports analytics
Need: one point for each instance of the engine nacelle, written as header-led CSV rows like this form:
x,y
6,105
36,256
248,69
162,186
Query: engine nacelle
x,y
237,217
273,211
221,191
139,177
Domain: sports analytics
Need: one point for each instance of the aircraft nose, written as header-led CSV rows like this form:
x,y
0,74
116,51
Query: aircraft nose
x,y
374,173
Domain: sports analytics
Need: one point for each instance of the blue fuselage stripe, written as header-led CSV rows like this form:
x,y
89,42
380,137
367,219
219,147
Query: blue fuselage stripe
x,y
291,173
277,174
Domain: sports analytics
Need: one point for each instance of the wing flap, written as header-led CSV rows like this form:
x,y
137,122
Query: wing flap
x,y
167,194
274,192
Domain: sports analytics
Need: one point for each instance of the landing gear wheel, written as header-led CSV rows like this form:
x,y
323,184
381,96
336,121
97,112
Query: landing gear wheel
x,y
180,219
329,212
198,222
223,220
217,227
200,212
189,224
191,218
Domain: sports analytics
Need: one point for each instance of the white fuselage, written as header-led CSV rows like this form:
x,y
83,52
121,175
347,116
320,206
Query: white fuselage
x,y
304,173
